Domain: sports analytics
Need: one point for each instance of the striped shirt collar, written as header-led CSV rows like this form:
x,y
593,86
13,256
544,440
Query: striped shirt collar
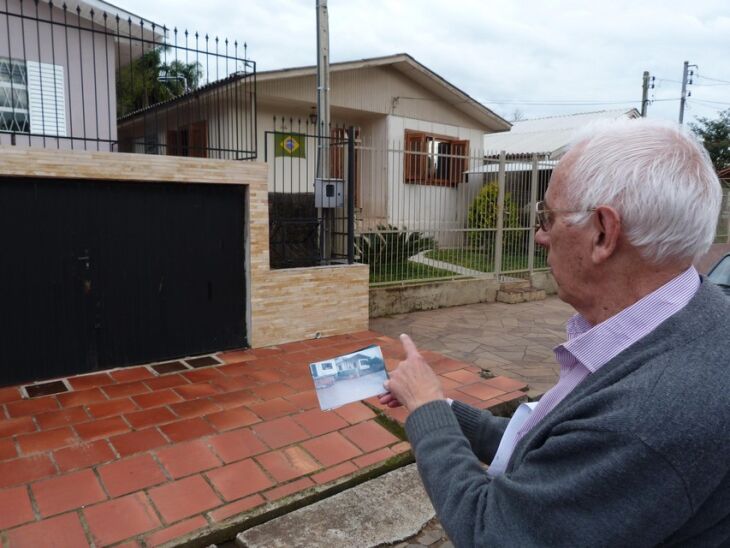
x,y
593,346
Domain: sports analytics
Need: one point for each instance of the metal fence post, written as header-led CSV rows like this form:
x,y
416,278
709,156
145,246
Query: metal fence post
x,y
350,195
533,200
500,214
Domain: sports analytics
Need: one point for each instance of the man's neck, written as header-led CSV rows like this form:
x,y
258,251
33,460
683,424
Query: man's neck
x,y
624,288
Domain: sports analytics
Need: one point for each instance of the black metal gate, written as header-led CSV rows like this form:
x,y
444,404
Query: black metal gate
x,y
301,234
102,274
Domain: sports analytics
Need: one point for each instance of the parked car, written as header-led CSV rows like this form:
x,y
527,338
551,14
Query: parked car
x,y
323,373
720,274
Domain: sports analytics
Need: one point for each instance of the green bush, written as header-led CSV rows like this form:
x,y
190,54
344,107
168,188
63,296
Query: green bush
x,y
390,244
483,215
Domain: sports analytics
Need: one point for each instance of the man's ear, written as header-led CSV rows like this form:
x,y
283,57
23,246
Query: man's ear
x,y
607,231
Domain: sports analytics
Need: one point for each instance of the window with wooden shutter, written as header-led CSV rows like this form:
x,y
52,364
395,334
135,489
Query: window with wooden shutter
x,y
434,160
338,142
191,140
46,103
199,139
415,157
171,148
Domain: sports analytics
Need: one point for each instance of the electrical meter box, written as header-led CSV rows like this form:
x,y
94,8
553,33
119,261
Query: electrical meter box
x,y
329,193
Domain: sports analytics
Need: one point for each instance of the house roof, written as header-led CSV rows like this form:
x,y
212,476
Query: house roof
x,y
402,62
408,66
549,135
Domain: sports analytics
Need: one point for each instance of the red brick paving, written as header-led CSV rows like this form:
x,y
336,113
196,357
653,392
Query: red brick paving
x,y
287,464
83,455
232,418
188,458
178,451
156,399
54,419
288,489
16,426
111,408
233,446
318,422
187,429
239,479
136,442
66,532
331,449
7,449
150,417
27,408
280,432
131,474
184,498
68,492
237,507
9,394
369,436
177,530
46,440
120,519
15,507
81,397
101,428
90,381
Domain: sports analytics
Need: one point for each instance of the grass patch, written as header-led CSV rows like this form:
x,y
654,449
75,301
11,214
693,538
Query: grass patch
x,y
484,261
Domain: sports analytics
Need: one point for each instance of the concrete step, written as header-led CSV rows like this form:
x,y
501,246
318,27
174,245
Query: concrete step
x,y
520,295
381,511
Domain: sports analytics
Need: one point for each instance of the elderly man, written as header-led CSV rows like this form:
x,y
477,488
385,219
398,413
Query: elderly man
x,y
632,446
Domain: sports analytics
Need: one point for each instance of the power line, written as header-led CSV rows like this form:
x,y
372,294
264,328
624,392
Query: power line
x,y
711,102
713,79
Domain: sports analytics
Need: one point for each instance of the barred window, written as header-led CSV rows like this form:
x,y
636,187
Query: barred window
x,y
32,97
14,107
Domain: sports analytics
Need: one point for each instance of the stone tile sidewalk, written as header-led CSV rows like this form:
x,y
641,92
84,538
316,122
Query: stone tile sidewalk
x,y
132,457
513,340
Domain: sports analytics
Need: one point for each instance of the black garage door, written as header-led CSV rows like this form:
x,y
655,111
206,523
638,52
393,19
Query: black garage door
x,y
103,274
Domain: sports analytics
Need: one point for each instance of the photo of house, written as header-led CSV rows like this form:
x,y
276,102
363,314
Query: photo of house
x,y
350,377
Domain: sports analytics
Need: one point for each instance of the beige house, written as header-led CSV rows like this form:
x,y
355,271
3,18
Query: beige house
x,y
416,134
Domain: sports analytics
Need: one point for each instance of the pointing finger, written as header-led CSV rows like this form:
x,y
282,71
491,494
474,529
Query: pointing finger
x,y
409,346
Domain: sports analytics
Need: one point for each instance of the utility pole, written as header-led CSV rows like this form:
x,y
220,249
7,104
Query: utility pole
x,y
323,120
645,94
686,78
323,88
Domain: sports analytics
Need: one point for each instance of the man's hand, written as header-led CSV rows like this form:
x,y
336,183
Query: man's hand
x,y
413,383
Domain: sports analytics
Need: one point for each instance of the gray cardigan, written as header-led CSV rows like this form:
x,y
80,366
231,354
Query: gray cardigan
x,y
637,455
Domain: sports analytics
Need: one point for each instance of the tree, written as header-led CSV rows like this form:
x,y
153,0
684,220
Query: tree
x,y
147,81
517,116
715,135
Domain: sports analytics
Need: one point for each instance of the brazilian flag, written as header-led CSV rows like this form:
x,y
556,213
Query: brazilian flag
x,y
290,145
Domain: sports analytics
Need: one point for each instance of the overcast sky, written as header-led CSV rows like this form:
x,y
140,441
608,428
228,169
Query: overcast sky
x,y
540,57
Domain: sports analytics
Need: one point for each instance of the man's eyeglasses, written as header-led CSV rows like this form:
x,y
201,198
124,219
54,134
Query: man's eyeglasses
x,y
544,215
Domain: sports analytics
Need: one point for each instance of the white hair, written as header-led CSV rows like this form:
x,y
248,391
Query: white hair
x,y
657,176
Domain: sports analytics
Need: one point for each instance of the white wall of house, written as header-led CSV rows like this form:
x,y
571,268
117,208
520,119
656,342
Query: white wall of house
x,y
440,211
